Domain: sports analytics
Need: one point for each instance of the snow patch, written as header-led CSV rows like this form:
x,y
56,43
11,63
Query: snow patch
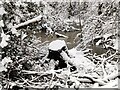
x,y
57,45
80,60
10,25
49,30
116,43
1,23
2,11
6,60
65,56
14,31
74,52
2,68
24,35
98,43
1,2
106,36
5,38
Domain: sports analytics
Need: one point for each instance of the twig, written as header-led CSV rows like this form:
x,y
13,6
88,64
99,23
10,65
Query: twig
x,y
103,67
53,74
40,73
88,78
101,59
25,81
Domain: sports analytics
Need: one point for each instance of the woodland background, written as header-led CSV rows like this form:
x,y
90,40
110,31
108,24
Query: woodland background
x,y
24,44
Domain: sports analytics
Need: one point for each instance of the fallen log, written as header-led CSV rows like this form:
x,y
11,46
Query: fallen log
x,y
36,19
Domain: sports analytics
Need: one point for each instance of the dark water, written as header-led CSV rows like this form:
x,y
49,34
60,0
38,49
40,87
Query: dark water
x,y
97,49
49,38
69,41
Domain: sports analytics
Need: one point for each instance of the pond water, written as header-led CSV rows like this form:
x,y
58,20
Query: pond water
x,y
69,41
97,49
71,34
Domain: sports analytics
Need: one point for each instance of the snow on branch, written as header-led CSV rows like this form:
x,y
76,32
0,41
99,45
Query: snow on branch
x,y
60,35
5,38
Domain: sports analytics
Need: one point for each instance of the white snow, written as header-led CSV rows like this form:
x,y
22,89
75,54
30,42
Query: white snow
x,y
57,45
44,25
98,43
49,30
116,43
2,11
72,51
67,21
80,59
107,36
65,56
24,35
10,25
1,2
14,31
97,36
6,60
5,38
2,68
1,23
3,43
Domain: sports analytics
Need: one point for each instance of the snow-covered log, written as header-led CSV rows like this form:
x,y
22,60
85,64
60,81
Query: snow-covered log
x,y
36,19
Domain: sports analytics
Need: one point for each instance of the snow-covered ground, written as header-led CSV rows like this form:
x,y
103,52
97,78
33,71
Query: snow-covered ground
x,y
80,60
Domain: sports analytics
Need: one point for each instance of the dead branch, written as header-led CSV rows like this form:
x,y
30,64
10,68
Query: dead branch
x,y
36,19
88,78
39,73
111,84
51,81
99,81
106,59
111,76
103,67
60,35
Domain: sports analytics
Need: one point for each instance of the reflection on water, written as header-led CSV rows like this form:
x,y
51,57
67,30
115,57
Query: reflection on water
x,y
69,41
